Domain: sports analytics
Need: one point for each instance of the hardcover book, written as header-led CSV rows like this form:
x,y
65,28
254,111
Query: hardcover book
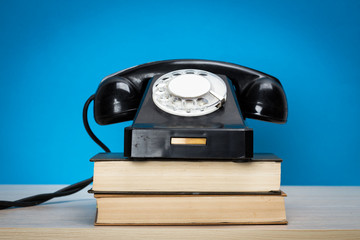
x,y
190,209
113,173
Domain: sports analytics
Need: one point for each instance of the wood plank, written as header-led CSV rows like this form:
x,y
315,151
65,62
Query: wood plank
x,y
175,233
312,213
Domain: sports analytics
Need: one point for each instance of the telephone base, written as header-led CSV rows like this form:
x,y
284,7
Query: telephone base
x,y
211,143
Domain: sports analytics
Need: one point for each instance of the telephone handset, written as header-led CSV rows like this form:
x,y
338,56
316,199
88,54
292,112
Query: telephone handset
x,y
189,108
181,109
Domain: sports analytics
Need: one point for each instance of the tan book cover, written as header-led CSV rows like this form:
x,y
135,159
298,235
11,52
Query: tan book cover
x,y
190,209
115,174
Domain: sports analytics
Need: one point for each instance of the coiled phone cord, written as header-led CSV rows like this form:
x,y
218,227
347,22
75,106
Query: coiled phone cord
x,y
40,198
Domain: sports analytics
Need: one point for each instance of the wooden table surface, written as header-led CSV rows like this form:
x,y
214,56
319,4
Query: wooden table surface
x,y
312,212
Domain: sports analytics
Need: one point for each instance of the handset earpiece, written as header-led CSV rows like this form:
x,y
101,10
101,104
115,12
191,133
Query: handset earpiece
x,y
116,100
264,99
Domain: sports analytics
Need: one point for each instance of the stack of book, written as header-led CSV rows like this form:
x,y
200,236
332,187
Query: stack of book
x,y
185,192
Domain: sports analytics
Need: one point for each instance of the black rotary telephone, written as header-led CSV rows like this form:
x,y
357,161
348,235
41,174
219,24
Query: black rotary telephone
x,y
181,109
188,108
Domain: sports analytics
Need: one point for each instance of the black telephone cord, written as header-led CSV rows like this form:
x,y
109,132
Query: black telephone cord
x,y
40,198
87,126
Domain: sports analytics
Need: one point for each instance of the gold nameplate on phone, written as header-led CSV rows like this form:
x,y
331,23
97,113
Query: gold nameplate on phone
x,y
188,141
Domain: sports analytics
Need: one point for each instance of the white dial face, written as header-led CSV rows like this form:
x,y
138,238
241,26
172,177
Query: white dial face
x,y
189,86
189,92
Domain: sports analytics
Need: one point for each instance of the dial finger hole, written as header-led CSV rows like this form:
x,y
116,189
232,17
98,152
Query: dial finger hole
x,y
189,103
176,101
202,101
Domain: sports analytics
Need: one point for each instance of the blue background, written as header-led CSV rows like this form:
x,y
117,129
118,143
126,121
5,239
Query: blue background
x,y
55,53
